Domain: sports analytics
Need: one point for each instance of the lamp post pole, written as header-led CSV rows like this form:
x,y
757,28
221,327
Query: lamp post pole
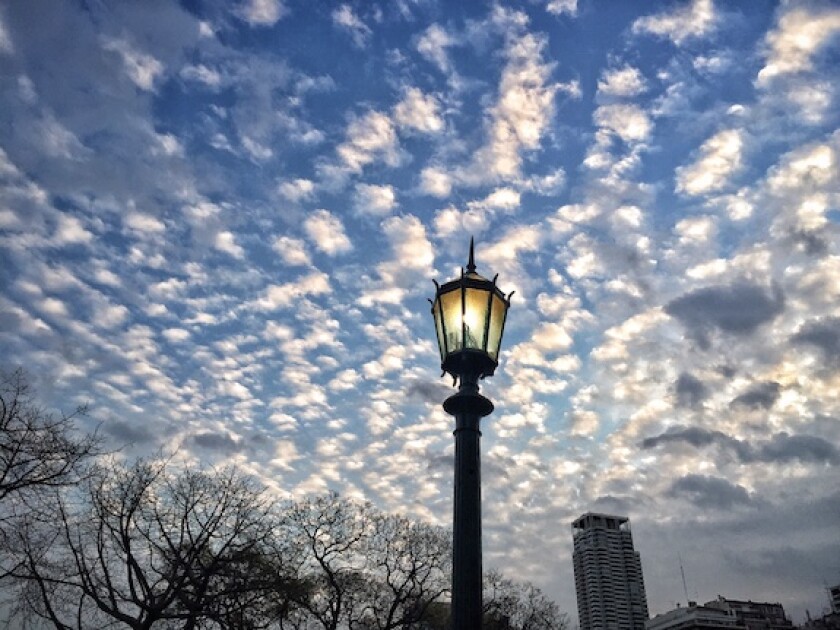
x,y
468,406
469,314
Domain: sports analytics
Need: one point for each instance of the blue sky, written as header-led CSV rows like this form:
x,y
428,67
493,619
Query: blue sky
x,y
219,223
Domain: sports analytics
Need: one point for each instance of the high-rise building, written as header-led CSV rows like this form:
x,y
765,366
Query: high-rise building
x,y
608,574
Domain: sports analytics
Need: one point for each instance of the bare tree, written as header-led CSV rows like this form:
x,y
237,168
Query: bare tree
x,y
144,548
332,530
510,605
39,452
409,565
38,449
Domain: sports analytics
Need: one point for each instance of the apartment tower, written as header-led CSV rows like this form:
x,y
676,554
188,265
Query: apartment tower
x,y
608,574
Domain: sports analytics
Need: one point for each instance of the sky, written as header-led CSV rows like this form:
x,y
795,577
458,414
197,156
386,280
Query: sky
x,y
220,222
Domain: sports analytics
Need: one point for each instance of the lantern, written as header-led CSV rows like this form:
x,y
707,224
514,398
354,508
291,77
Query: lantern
x,y
470,314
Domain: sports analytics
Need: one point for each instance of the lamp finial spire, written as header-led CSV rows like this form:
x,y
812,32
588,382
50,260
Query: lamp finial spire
x,y
471,261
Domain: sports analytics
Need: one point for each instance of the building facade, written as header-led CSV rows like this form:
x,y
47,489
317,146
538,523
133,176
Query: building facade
x,y
694,617
754,615
723,614
608,574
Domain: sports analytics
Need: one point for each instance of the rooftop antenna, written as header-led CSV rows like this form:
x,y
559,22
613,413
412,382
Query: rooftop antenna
x,y
682,573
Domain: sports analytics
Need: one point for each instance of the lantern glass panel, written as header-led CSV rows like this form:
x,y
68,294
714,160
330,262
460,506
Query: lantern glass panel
x,y
497,323
452,318
439,329
475,318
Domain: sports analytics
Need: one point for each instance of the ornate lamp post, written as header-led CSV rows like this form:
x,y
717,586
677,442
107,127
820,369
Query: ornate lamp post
x,y
469,314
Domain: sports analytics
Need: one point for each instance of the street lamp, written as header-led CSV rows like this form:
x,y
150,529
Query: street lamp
x,y
469,314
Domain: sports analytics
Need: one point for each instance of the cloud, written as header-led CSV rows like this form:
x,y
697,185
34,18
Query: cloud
x,y
261,12
226,242
690,391
374,200
782,448
628,122
409,243
202,74
802,448
758,396
435,182
708,492
419,111
326,231
432,45
282,295
800,34
370,137
176,335
292,251
561,7
6,45
822,334
69,230
720,159
142,222
142,69
297,190
221,442
523,111
622,82
344,18
690,20
737,309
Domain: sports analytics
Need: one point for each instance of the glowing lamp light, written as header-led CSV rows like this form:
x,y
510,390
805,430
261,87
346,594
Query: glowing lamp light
x,y
470,314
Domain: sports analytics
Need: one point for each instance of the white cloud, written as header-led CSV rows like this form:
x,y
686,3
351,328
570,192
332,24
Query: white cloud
x,y
292,251
696,231
500,199
720,158
201,74
53,306
433,43
326,231
435,181
812,100
71,231
344,381
282,295
559,7
168,144
409,243
807,166
628,122
523,111
419,111
369,137
261,12
176,335
226,242
545,185
450,220
686,21
111,315
792,45
256,149
626,81
344,17
374,200
142,222
142,69
297,190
